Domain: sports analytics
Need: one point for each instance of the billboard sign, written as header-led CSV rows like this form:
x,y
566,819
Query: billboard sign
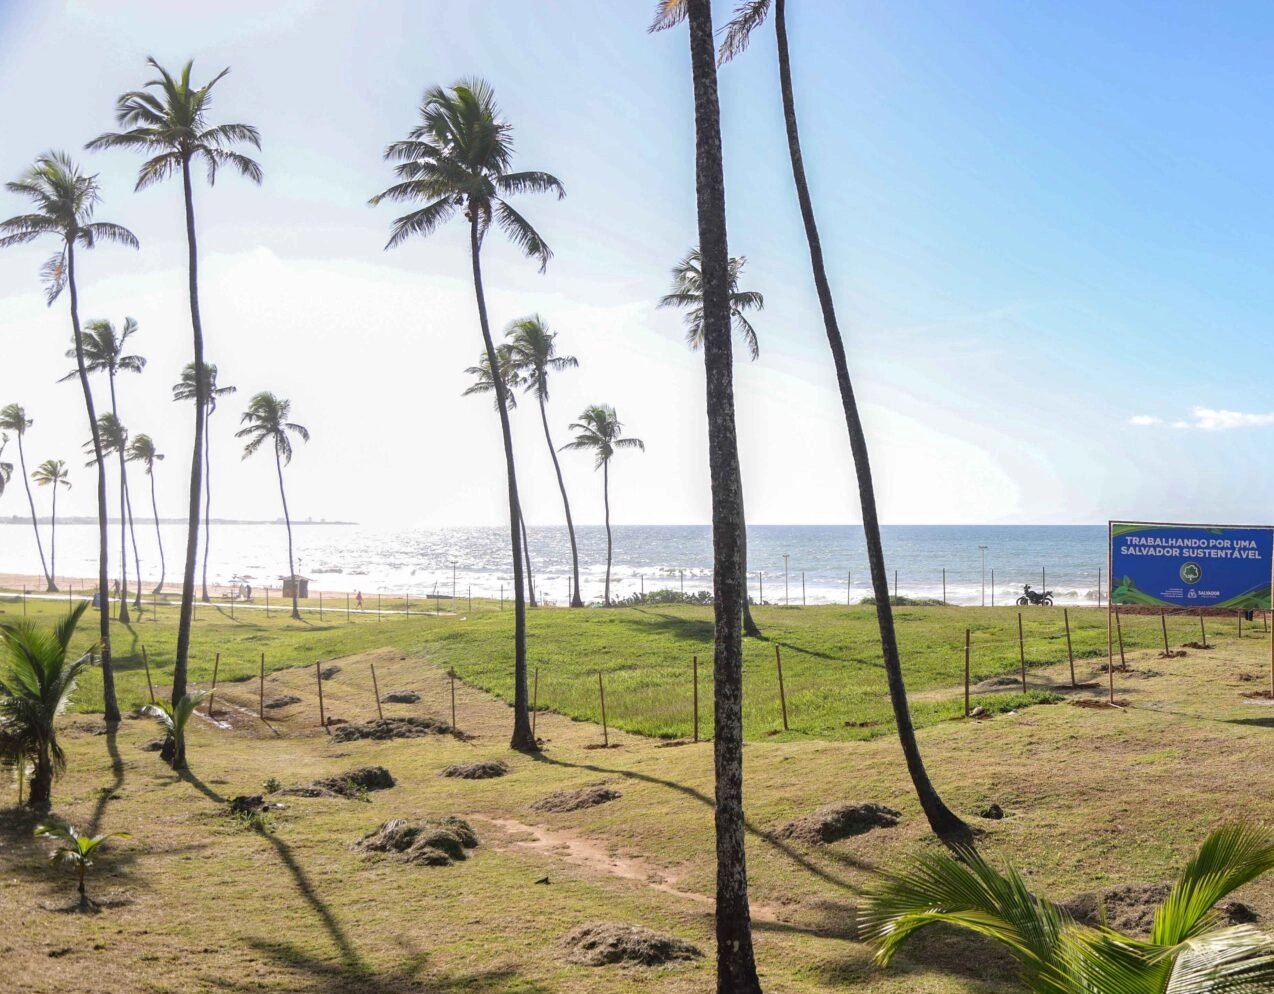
x,y
1190,566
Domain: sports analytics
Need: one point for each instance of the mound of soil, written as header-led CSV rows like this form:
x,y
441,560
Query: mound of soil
x,y
575,800
999,683
488,770
287,700
604,943
424,843
353,784
839,821
249,804
993,812
1256,694
328,672
400,697
393,728
1131,908
1197,645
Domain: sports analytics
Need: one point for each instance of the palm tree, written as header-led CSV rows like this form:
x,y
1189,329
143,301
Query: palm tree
x,y
687,292
457,159
484,383
104,352
945,823
267,420
76,849
185,390
142,449
599,429
533,354
115,442
6,468
13,417
1191,950
65,200
736,963
173,718
167,120
52,473
36,681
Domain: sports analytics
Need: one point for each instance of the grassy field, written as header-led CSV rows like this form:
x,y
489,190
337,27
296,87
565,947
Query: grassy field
x,y
194,903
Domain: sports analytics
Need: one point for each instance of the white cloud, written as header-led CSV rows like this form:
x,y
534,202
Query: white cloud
x,y
1208,419
1145,419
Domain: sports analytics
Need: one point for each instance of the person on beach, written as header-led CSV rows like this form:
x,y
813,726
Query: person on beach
x,y
115,589
358,599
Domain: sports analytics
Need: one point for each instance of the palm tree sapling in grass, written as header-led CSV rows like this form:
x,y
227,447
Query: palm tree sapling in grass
x,y
13,417
167,120
173,719
52,473
64,201
600,430
458,159
142,449
266,420
75,850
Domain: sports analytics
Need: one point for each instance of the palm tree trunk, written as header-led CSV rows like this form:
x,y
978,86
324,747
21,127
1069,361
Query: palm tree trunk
x,y
159,537
736,964
137,561
606,505
944,822
196,462
49,585
53,527
287,520
749,626
109,702
207,497
41,790
526,556
123,520
576,599
522,738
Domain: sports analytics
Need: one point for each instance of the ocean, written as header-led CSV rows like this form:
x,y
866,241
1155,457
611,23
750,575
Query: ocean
x,y
814,564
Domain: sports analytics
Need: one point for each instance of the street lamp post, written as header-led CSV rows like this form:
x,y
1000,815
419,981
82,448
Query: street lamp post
x,y
786,600
982,549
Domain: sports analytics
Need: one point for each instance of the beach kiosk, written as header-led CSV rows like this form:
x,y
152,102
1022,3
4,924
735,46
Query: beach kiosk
x,y
301,583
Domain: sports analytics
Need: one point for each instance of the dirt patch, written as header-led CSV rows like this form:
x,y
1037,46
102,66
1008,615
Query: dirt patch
x,y
354,783
250,804
425,843
607,943
1130,908
328,672
999,683
487,770
992,812
1147,674
839,821
602,745
1119,703
1170,654
401,697
576,800
1196,645
393,728
287,700
1253,695
673,743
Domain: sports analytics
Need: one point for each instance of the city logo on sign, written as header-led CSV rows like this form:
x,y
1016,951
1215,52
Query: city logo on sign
x,y
1191,572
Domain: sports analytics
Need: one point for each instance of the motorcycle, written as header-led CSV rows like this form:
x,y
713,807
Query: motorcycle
x,y
1030,596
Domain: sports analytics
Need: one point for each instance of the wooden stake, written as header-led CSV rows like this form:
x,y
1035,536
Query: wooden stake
x,y
696,685
1240,617
1021,650
1203,631
535,701
1070,653
1119,630
376,690
944,587
378,617
1163,621
778,662
212,694
601,691
267,601
966,672
149,686
347,607
452,673
318,675
320,605
261,691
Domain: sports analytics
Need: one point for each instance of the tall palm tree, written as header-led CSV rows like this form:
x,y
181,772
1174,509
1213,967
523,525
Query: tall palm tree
x,y
36,680
483,382
533,353
142,449
13,417
52,473
185,390
600,430
104,353
167,121
64,201
267,420
115,442
687,293
457,159
6,468
749,14
736,963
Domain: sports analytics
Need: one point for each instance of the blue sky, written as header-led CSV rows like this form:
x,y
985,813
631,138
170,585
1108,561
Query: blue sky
x,y
1043,222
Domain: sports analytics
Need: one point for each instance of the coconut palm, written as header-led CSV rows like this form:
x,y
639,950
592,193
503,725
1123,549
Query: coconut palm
x,y
173,718
142,449
533,354
64,201
114,438
687,293
36,680
167,121
13,417
750,14
185,390
76,850
104,353
1191,949
457,159
736,963
267,420
52,473
6,468
484,383
600,430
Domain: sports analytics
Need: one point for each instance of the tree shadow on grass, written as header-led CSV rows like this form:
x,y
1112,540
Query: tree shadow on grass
x,y
939,949
689,629
107,793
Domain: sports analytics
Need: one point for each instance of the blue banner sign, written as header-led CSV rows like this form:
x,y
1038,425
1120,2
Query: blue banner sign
x,y
1190,566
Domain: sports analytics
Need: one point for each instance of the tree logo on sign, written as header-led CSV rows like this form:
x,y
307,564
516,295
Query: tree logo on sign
x,y
1191,572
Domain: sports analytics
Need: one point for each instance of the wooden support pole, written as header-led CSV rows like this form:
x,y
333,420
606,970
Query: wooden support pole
x,y
452,673
802,588
1163,623
895,585
966,672
318,676
778,662
1119,631
232,609
1099,586
212,694
378,615
380,713
149,686
267,601
24,614
993,586
1070,652
601,691
1239,614
1021,649
347,607
695,665
261,691
535,702
1203,632
944,586
320,605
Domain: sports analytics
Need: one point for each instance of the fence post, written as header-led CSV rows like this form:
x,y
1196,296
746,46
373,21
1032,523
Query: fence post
x,y
1240,617
1119,630
1203,631
601,691
849,586
803,588
261,692
1021,649
1070,653
471,599
212,694
966,672
535,702
232,609
380,713
1163,621
1099,586
993,586
696,685
944,586
895,584
502,596
409,603
452,673
318,677
778,662
24,600
347,607
267,601
149,686
760,587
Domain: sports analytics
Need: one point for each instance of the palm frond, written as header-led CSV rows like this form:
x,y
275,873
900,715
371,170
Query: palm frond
x,y
1230,857
521,234
530,182
423,222
668,14
748,16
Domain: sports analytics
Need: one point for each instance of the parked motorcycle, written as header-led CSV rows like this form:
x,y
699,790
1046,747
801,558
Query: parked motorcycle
x,y
1030,596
